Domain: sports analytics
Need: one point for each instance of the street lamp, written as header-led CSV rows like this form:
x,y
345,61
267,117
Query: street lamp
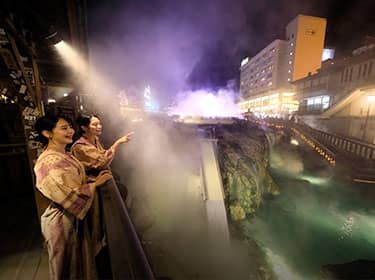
x,y
370,99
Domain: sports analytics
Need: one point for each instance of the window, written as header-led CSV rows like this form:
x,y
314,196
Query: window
x,y
364,70
346,75
369,68
310,101
318,100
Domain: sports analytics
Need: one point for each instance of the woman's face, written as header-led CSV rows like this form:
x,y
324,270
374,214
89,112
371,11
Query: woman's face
x,y
62,133
95,127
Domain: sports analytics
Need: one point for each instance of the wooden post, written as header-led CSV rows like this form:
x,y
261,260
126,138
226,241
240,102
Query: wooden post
x,y
38,93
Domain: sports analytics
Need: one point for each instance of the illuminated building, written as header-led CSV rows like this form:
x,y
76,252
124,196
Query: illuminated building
x,y
338,98
273,103
272,69
305,35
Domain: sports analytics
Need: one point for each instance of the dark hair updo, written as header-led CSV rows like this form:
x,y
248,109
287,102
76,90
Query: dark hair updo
x,y
47,123
84,120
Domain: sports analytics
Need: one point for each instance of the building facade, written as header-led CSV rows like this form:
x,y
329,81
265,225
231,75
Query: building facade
x,y
268,74
340,98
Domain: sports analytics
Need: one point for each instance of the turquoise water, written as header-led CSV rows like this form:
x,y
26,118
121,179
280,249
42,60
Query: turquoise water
x,y
316,220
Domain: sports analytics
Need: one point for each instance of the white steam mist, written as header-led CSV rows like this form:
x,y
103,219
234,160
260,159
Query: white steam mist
x,y
206,103
161,167
88,79
287,161
280,266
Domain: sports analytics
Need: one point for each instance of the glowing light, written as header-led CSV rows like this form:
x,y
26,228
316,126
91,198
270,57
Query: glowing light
x,y
244,61
51,100
72,58
294,142
328,54
314,180
89,79
207,103
371,98
289,93
60,44
66,94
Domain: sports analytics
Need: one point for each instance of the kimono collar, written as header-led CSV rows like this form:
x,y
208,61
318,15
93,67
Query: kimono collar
x,y
85,140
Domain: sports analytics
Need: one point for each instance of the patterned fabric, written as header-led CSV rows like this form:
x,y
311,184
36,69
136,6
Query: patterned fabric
x,y
65,223
94,158
92,155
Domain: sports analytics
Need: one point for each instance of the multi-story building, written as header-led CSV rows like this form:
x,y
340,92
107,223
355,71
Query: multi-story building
x,y
339,97
265,78
263,73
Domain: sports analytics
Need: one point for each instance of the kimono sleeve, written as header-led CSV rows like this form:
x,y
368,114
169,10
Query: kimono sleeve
x,y
91,157
62,184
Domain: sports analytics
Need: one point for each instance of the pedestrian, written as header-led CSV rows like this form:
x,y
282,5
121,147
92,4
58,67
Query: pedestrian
x,y
61,178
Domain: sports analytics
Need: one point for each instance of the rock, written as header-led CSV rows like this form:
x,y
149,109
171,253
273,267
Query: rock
x,y
243,159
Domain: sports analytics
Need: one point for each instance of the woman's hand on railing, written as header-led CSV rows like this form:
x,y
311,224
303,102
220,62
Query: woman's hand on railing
x,y
103,177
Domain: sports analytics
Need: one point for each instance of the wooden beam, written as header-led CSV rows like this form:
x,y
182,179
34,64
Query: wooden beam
x,y
38,92
22,68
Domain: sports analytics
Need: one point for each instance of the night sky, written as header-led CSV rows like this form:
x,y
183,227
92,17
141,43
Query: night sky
x,y
188,44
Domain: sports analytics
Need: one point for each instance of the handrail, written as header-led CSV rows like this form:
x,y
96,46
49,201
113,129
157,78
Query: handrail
x,y
333,142
128,259
341,144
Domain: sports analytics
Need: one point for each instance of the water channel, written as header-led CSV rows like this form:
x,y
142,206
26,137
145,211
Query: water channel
x,y
317,219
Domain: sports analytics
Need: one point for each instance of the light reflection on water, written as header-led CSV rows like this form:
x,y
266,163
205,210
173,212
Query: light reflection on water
x,y
315,221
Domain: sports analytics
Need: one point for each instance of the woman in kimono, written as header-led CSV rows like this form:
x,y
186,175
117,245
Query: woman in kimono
x,y
61,178
88,149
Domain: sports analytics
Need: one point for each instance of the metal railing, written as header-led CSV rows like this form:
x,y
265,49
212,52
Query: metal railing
x,y
339,144
127,257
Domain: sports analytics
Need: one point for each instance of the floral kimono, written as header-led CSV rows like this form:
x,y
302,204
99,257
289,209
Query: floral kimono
x,y
92,155
66,222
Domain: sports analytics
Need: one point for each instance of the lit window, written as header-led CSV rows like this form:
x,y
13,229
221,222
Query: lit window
x,y
290,62
310,101
318,100
325,99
